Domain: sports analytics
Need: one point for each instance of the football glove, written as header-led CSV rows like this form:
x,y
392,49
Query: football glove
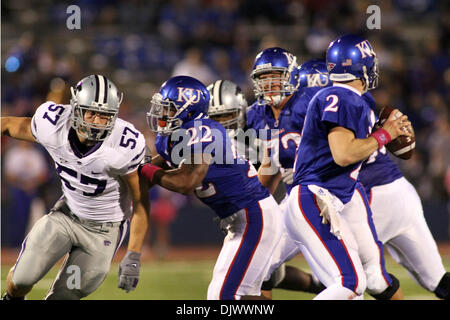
x,y
129,271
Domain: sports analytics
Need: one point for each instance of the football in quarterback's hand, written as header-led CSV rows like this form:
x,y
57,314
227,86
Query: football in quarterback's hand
x,y
402,146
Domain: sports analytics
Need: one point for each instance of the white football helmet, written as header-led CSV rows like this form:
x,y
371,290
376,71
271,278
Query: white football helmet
x,y
95,93
227,99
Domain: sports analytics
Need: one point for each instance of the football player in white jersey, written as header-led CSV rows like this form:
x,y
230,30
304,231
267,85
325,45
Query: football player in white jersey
x,y
96,155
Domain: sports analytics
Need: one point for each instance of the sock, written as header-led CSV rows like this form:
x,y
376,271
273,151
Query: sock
x,y
336,292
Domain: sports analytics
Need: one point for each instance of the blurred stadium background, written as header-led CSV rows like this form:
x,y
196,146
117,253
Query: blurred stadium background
x,y
139,44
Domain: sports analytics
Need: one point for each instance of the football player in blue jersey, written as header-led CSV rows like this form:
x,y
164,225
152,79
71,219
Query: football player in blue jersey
x,y
327,210
195,155
275,81
312,76
228,106
396,206
275,77
399,220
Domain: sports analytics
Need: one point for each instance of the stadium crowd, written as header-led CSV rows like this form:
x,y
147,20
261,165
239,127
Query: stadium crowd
x,y
139,44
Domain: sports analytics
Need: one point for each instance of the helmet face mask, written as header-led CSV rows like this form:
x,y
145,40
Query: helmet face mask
x,y
162,115
273,85
274,75
88,103
373,75
93,131
228,119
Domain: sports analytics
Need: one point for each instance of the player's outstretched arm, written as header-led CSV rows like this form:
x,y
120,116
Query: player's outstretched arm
x,y
17,128
141,208
346,149
130,266
184,179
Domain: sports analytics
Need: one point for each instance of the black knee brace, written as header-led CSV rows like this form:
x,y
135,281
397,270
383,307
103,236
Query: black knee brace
x,y
443,289
390,291
275,278
271,283
267,285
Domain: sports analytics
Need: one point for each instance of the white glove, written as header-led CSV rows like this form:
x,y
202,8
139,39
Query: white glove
x,y
288,176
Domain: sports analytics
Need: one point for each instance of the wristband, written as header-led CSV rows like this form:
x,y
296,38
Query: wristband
x,y
382,137
148,171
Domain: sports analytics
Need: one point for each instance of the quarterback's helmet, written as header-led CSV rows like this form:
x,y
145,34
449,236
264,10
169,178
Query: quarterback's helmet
x,y
227,99
179,100
351,57
313,73
98,94
274,60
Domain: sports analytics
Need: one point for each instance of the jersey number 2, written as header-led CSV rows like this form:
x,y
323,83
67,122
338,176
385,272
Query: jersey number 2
x,y
333,105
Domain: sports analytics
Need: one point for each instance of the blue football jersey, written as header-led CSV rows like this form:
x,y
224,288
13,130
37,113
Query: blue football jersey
x,y
231,182
378,169
289,126
300,105
338,105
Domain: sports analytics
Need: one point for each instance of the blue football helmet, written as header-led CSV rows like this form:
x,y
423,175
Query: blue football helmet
x,y
351,57
179,100
274,60
313,73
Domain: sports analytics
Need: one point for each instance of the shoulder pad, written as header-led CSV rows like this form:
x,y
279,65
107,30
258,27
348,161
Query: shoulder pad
x,y
127,146
50,122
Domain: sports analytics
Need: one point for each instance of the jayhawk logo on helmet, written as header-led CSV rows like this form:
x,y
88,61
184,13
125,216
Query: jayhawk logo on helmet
x,y
313,73
188,95
366,49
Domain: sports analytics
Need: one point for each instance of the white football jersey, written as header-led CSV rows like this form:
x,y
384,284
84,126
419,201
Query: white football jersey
x,y
92,184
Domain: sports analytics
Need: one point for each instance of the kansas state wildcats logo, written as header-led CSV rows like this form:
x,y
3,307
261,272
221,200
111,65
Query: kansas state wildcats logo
x,y
188,95
365,49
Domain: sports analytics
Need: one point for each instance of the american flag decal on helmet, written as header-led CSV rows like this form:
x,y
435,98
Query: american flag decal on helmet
x,y
347,63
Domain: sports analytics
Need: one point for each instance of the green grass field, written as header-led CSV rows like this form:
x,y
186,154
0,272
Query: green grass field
x,y
188,280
